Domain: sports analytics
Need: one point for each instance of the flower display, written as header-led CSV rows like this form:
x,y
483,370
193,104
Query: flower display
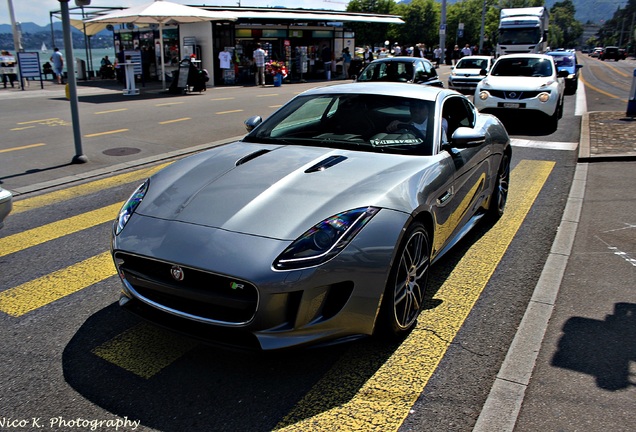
x,y
275,68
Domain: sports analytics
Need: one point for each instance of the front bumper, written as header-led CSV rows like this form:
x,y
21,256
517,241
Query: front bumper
x,y
272,309
500,101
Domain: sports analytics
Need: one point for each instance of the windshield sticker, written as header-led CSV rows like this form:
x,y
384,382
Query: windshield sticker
x,y
395,142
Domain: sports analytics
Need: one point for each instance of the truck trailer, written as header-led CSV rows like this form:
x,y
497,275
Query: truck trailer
x,y
523,30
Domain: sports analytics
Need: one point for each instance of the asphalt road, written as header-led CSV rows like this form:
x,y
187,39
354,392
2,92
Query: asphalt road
x,y
71,355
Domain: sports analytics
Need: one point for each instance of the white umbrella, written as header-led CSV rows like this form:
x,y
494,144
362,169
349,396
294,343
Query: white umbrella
x,y
162,12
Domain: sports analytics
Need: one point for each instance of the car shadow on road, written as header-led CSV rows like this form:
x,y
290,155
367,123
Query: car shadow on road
x,y
214,389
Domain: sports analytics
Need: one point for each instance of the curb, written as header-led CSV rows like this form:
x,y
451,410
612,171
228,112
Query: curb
x,y
503,404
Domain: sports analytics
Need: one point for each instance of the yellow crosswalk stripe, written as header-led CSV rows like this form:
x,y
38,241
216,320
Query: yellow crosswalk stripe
x,y
39,292
386,398
144,349
66,194
54,230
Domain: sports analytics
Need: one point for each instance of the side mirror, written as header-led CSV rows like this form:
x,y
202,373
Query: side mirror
x,y
563,73
579,66
483,72
252,122
465,137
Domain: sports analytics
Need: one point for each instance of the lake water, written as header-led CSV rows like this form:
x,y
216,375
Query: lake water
x,y
95,56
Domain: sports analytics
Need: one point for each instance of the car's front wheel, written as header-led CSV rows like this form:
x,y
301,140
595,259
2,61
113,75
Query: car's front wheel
x,y
404,294
499,195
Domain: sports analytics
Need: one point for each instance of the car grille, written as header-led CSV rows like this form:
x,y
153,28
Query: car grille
x,y
516,95
199,294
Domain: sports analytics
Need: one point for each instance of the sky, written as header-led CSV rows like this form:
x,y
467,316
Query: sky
x,y
37,11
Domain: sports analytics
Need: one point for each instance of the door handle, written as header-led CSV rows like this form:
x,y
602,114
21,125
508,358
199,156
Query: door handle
x,y
441,200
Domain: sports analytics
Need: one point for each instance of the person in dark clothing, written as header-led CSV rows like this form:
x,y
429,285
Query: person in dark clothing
x,y
325,55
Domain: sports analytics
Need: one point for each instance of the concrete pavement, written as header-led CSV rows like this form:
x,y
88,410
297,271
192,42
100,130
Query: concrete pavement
x,y
572,365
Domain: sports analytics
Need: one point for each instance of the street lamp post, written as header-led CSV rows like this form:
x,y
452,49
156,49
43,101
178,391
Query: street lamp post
x,y
72,82
17,39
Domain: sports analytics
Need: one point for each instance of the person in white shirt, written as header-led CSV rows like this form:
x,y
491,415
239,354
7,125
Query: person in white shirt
x,y
225,59
466,51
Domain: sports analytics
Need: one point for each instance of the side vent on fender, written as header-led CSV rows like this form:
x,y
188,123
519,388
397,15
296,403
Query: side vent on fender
x,y
327,163
251,156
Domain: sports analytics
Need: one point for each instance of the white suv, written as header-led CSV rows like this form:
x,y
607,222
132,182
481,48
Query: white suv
x,y
523,82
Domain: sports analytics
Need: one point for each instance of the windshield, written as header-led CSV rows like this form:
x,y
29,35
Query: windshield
x,y
467,63
529,67
363,122
524,36
563,60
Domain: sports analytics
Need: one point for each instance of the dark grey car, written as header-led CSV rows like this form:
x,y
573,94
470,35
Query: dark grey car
x,y
318,226
401,69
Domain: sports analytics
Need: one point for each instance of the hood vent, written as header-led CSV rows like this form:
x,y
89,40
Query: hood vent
x,y
251,156
327,163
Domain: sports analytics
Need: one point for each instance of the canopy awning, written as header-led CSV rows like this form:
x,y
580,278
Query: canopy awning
x,y
306,15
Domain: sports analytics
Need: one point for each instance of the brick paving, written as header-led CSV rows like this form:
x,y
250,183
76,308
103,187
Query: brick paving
x,y
612,133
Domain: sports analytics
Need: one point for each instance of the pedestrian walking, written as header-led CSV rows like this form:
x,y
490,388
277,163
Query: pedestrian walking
x,y
367,56
259,63
346,62
437,55
456,55
58,64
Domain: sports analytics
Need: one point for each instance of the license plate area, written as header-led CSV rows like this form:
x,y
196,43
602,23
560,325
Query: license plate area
x,y
513,105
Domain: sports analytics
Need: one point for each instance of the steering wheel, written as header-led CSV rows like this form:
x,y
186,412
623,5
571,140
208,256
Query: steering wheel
x,y
410,128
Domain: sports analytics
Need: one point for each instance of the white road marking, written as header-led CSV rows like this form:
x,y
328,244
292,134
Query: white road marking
x,y
548,145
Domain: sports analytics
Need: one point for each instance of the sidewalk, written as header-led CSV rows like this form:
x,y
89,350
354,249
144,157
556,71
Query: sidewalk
x,y
572,364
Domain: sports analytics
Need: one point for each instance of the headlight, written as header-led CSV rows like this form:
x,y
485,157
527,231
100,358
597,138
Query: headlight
x,y
129,206
544,97
483,95
324,240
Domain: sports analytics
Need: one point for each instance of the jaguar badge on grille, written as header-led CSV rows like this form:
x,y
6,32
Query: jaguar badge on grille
x,y
177,273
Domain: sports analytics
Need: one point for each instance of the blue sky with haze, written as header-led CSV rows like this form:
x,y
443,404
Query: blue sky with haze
x,y
37,11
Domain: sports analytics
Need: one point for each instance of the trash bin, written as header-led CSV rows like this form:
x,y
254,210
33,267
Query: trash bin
x,y
278,80
81,69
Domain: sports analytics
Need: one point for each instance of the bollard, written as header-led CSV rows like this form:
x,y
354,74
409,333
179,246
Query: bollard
x,y
631,103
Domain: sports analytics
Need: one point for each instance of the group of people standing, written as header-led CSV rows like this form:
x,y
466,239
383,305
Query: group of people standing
x,y
7,62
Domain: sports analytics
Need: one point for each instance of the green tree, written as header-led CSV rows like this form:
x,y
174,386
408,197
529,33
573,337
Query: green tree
x,y
373,34
422,23
564,31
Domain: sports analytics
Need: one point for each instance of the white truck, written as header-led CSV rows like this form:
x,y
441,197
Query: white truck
x,y
523,30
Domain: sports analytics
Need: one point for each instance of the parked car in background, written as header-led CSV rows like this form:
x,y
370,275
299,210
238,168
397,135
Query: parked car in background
x,y
467,73
6,204
596,52
566,60
319,225
401,69
623,53
611,53
521,83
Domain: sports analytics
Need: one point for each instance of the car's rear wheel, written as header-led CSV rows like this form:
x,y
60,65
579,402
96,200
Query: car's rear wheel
x,y
404,294
499,195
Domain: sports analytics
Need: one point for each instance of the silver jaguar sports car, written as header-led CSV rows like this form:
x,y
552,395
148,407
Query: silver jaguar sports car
x,y
320,225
